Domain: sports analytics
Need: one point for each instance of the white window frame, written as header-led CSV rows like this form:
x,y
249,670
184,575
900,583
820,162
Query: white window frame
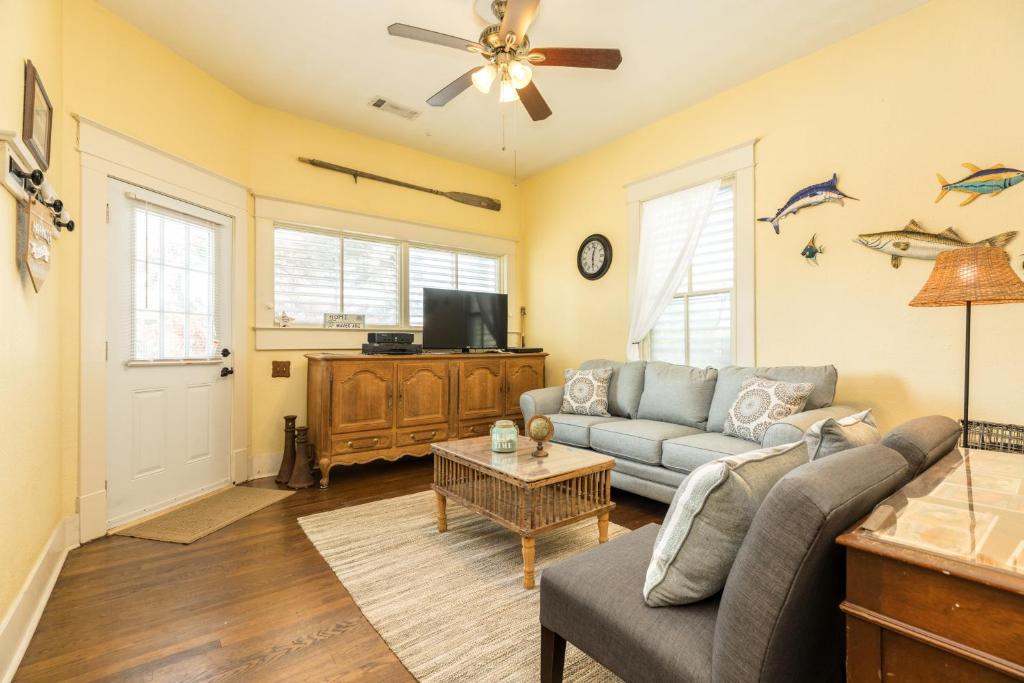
x,y
738,164
271,213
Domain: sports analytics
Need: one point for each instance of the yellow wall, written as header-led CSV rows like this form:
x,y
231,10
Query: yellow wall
x,y
30,324
886,109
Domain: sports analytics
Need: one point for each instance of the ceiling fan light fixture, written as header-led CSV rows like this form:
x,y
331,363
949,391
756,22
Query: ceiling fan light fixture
x,y
484,78
520,74
508,91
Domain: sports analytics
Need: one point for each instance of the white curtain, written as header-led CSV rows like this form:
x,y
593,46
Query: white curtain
x,y
670,227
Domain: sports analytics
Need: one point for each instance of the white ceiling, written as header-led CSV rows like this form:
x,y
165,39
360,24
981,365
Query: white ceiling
x,y
326,59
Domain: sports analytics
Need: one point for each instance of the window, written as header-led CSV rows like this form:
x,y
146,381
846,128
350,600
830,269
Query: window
x,y
697,326
317,272
174,308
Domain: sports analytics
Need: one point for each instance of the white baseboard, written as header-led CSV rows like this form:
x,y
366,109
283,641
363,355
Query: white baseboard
x,y
23,615
264,465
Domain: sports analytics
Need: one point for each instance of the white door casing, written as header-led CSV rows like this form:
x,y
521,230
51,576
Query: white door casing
x,y
107,154
168,313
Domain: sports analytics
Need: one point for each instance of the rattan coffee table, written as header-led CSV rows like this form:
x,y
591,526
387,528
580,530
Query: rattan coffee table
x,y
525,494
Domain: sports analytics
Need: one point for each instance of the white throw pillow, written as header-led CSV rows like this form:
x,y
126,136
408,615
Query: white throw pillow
x,y
708,520
829,436
586,392
761,403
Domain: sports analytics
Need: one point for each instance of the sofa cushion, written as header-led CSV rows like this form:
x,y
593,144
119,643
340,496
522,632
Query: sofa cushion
x,y
677,393
626,386
574,430
924,440
586,392
658,475
594,601
638,440
762,403
687,453
707,521
830,436
731,377
779,618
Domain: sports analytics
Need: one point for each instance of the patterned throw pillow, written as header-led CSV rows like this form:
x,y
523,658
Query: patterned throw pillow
x,y
586,392
829,436
761,403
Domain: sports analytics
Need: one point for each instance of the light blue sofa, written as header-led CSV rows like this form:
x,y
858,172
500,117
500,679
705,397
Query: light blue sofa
x,y
666,420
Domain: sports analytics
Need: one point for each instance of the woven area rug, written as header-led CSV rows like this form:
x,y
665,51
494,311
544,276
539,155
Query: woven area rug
x,y
191,522
451,606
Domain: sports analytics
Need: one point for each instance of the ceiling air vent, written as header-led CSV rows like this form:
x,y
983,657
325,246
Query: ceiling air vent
x,y
394,108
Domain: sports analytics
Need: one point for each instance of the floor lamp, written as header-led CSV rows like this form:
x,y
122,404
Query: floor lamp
x,y
971,277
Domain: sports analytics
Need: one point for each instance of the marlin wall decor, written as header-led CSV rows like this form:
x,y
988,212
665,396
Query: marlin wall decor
x,y
812,195
990,181
913,241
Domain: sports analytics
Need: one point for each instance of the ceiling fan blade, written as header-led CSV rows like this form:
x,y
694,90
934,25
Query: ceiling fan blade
x,y
535,105
519,14
582,57
453,89
422,34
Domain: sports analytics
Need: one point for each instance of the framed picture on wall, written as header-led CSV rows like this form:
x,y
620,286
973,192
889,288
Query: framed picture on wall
x,y
37,122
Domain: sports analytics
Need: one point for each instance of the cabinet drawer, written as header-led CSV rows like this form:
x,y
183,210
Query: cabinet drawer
x,y
475,429
355,443
420,435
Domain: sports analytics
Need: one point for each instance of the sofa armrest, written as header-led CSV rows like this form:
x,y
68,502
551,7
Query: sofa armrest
x,y
540,402
792,428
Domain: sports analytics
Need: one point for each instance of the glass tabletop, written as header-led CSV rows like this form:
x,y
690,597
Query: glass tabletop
x,y
968,506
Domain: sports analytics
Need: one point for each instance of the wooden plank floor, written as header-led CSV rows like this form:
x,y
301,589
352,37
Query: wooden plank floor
x,y
251,602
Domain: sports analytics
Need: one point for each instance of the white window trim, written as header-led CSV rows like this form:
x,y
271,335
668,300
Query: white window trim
x,y
271,212
737,163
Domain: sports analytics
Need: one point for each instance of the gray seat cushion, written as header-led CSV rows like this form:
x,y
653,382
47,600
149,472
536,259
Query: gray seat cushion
x,y
779,618
574,430
687,453
654,473
626,386
823,377
595,601
677,393
924,440
638,440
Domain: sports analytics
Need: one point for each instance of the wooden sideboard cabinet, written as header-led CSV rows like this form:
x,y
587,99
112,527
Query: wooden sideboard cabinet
x,y
935,577
363,408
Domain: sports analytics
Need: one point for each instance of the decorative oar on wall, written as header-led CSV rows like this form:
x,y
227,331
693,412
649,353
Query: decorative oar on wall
x,y
461,197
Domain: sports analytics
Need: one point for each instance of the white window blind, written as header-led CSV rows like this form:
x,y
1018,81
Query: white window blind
x,y
371,280
697,327
174,310
307,275
443,269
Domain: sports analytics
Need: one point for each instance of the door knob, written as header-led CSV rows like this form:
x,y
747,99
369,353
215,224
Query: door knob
x,y
224,372
225,352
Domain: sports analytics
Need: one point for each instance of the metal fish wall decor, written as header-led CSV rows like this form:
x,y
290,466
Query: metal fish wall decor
x,y
915,242
990,181
812,195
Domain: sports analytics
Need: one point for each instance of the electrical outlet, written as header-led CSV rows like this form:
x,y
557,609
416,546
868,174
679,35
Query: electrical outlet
x,y
280,368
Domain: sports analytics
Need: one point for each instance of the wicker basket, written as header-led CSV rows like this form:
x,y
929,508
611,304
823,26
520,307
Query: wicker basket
x,y
993,436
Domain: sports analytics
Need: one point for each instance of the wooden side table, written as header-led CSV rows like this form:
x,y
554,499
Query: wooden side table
x,y
522,493
935,576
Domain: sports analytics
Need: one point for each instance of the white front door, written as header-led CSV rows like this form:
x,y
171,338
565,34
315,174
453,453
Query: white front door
x,y
168,351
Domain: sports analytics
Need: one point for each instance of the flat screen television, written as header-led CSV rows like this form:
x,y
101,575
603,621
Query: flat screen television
x,y
453,319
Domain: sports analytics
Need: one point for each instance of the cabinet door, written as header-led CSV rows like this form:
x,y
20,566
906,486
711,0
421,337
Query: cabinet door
x,y
481,384
521,375
362,396
422,393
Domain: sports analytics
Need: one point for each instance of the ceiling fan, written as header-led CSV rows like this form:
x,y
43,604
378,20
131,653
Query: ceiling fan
x,y
506,48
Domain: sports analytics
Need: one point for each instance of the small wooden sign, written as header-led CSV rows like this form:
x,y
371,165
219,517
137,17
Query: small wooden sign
x,y
36,222
344,321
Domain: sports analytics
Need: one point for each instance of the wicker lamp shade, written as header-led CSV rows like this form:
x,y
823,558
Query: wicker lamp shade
x,y
976,275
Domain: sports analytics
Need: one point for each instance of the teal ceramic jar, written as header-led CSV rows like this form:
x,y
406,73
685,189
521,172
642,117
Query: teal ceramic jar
x,y
504,436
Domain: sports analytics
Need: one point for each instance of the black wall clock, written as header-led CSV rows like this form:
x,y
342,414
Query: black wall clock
x,y
594,257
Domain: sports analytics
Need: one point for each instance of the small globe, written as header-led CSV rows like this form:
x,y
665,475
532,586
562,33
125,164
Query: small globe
x,y
540,428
